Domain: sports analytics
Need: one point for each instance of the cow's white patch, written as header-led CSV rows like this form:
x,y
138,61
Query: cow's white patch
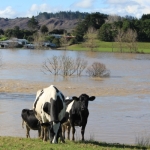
x,y
69,107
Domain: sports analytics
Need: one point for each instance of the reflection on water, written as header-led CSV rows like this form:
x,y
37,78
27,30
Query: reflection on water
x,y
112,118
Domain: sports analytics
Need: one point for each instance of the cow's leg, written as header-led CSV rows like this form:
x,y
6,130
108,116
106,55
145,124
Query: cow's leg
x,y
42,133
39,133
27,132
68,131
82,132
73,132
45,134
60,135
83,129
63,130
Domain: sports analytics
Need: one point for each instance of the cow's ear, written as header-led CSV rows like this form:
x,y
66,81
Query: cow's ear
x,y
75,98
91,98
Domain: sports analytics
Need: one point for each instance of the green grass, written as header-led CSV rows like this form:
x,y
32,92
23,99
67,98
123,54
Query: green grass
x,y
143,47
16,143
3,38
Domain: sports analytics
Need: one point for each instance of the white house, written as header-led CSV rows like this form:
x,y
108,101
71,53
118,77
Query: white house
x,y
13,43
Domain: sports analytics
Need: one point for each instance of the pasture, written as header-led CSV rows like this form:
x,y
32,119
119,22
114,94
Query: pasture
x,y
17,143
143,47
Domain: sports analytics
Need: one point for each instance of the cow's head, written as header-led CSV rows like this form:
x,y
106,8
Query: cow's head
x,y
83,100
55,130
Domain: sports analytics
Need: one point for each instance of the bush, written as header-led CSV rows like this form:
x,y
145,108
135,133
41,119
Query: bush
x,y
73,41
98,70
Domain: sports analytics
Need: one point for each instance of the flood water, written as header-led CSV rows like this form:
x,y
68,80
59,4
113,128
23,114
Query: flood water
x,y
118,118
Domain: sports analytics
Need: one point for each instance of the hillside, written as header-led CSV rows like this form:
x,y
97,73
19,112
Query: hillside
x,y
52,23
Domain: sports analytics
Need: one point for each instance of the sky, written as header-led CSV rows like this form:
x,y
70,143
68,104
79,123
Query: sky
x,y
29,8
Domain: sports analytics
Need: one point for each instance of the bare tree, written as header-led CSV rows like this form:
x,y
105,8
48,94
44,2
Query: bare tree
x,y
64,41
98,69
127,40
64,65
90,38
81,64
113,18
119,39
52,65
130,40
68,67
38,40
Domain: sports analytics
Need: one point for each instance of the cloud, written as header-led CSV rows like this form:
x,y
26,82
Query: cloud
x,y
133,8
35,9
84,4
8,12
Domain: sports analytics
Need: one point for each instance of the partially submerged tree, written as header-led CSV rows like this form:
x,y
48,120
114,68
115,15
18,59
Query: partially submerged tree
x,y
98,69
64,66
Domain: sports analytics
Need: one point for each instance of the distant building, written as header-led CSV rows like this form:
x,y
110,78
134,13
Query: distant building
x,y
14,42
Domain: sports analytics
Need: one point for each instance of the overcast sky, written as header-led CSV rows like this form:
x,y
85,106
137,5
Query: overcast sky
x,y
28,8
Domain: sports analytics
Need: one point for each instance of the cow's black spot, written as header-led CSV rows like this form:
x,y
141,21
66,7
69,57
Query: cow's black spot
x,y
59,104
56,89
47,107
38,98
56,107
62,96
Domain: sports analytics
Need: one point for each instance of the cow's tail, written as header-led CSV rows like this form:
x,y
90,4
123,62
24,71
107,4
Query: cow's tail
x,y
23,123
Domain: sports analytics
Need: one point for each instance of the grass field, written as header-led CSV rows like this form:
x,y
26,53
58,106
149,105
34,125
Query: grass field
x,y
142,47
16,143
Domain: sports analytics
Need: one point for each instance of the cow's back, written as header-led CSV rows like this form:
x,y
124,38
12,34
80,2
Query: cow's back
x,y
47,95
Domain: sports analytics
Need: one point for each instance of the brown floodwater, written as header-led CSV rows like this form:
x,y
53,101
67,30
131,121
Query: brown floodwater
x,y
120,112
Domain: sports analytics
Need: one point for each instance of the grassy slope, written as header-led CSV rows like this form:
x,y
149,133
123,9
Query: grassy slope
x,y
107,47
16,143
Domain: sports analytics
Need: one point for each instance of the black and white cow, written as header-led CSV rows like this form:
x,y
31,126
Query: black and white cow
x,y
77,114
30,121
49,107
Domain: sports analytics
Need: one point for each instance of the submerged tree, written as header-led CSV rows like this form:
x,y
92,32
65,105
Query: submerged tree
x,y
98,69
64,66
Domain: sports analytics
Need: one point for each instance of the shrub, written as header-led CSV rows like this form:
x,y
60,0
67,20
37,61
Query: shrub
x,y
98,69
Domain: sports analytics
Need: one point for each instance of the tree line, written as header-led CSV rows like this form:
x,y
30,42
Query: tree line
x,y
63,15
106,28
109,26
